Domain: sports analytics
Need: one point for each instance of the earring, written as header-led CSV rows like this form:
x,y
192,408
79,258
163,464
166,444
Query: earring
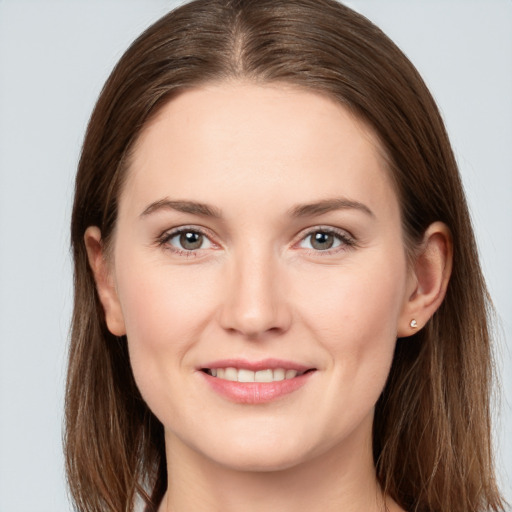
x,y
413,323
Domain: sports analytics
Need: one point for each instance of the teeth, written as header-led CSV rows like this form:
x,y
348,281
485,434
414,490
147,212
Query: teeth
x,y
231,374
264,376
279,374
243,375
290,374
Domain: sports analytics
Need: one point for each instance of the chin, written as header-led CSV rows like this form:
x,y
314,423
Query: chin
x,y
260,462
265,454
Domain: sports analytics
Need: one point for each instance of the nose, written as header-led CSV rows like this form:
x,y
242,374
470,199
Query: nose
x,y
255,304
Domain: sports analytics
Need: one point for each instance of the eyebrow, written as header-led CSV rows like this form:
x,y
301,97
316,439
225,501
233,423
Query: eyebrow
x,y
191,207
328,205
298,211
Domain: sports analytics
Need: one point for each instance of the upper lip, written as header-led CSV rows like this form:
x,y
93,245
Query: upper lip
x,y
262,364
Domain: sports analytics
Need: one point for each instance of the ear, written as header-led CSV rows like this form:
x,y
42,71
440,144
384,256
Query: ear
x,y
428,279
105,283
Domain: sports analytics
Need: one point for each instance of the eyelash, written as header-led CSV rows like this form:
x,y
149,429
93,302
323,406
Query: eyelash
x,y
347,240
164,239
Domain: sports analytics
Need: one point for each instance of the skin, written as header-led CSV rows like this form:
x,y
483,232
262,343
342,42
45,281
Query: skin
x,y
259,288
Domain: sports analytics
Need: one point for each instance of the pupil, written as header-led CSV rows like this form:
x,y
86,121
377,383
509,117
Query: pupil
x,y
322,241
191,240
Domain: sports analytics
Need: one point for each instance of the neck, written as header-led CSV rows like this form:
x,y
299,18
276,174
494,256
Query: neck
x,y
342,478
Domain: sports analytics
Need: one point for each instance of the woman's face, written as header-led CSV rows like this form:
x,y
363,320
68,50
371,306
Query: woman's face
x,y
259,238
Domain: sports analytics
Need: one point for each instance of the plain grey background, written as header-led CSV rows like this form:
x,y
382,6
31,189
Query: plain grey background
x,y
54,58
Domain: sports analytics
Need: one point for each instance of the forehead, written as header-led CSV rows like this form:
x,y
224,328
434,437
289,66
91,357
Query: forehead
x,y
246,138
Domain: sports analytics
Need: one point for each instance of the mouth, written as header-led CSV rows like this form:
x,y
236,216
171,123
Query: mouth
x,y
264,375
255,382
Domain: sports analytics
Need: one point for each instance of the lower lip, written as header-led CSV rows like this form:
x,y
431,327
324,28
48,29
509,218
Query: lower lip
x,y
255,392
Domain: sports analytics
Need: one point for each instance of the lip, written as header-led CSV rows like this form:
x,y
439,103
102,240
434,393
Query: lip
x,y
255,366
255,392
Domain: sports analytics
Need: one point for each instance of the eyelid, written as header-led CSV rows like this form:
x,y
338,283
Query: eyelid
x,y
164,237
348,241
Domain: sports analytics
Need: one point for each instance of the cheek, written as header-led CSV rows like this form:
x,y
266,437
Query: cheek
x,y
161,302
355,320
353,302
164,309
354,311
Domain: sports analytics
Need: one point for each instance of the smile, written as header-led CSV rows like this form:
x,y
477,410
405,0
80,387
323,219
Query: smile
x,y
246,382
244,375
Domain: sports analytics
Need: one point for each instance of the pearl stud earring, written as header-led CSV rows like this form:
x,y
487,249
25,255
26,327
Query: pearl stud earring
x,y
413,323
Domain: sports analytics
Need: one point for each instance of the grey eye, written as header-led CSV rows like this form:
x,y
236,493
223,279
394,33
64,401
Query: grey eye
x,y
321,241
189,240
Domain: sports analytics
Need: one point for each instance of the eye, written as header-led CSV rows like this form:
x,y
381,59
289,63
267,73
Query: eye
x,y
186,239
325,239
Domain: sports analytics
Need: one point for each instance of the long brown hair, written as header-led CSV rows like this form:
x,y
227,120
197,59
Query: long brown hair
x,y
431,436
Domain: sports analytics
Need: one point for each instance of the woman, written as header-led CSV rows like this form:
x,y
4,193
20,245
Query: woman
x,y
278,302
